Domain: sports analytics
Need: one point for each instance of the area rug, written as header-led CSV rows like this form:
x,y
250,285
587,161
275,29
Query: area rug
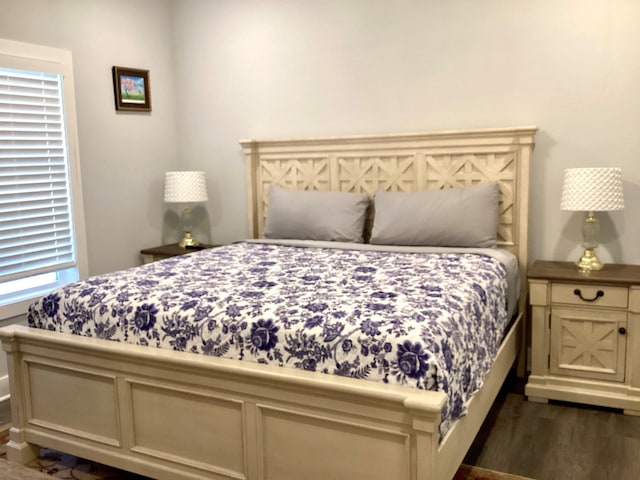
x,y
13,471
67,467
466,472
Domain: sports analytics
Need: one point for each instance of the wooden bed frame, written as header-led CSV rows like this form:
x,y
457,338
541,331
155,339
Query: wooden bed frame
x,y
177,415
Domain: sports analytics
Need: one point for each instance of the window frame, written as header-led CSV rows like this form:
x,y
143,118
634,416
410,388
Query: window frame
x,y
26,56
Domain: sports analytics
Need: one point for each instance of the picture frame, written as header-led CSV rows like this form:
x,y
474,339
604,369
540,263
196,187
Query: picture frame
x,y
131,89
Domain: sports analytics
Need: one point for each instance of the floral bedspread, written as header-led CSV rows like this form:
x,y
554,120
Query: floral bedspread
x,y
429,321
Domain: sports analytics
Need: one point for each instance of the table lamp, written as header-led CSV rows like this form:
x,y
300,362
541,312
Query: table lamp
x,y
591,190
186,188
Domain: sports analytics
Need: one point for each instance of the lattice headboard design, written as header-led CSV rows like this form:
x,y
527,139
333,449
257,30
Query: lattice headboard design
x,y
404,162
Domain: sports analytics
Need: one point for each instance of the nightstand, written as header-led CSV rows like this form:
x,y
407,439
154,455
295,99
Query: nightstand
x,y
165,251
585,337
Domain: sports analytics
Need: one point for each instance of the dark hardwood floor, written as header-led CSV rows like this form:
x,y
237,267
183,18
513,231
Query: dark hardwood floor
x,y
556,441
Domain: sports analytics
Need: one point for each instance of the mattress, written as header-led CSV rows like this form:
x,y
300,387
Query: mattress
x,y
424,319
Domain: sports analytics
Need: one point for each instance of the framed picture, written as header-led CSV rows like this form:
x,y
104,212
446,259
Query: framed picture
x,y
132,90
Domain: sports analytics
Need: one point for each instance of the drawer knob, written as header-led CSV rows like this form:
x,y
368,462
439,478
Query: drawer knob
x,y
599,294
622,330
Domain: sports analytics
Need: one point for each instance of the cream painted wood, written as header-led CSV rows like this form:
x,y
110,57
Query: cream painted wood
x,y
147,259
633,345
53,387
617,297
403,162
633,342
587,343
184,416
281,431
582,351
153,403
539,297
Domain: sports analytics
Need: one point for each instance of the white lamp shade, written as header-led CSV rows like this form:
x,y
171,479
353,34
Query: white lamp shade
x,y
185,187
592,190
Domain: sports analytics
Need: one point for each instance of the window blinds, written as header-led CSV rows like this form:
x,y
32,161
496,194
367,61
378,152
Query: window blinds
x,y
35,209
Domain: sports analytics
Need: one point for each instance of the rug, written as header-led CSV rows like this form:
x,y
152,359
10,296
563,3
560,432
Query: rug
x,y
466,472
63,466
13,471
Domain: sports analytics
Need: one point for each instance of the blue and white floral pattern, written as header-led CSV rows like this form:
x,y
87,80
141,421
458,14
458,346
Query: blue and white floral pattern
x,y
429,321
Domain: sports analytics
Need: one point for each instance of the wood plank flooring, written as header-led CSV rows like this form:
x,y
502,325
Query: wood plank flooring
x,y
555,441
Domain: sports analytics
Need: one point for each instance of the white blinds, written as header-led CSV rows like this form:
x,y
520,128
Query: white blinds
x,y
35,211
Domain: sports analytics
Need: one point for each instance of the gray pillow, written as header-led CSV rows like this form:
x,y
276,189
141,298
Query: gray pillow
x,y
315,215
451,217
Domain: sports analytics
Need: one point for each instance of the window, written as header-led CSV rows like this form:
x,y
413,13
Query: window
x,y
41,227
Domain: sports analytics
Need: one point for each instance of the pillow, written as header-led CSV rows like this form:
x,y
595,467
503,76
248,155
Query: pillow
x,y
314,215
452,217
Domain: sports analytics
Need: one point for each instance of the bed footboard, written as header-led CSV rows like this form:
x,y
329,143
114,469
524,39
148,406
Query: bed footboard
x,y
177,415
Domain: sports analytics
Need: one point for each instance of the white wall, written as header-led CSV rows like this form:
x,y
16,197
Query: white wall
x,y
256,68
123,156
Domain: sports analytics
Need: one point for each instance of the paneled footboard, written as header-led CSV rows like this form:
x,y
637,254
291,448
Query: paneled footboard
x,y
177,415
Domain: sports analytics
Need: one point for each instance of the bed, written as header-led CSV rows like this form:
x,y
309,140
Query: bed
x,y
180,412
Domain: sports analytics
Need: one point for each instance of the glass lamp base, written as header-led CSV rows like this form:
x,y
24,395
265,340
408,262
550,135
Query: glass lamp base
x,y
589,261
188,241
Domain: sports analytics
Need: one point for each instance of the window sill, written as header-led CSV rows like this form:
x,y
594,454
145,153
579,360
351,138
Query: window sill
x,y
16,309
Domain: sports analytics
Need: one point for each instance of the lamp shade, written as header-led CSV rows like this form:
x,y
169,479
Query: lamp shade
x,y
592,190
185,187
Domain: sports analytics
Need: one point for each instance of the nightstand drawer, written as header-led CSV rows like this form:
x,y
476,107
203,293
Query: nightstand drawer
x,y
596,295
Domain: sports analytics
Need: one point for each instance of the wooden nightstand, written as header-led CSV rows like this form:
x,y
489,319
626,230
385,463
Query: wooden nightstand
x,y
585,339
165,251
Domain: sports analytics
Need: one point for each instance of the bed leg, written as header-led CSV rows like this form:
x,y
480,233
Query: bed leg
x,y
19,451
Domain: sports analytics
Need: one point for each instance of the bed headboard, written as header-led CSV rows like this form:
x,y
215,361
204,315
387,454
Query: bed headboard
x,y
399,162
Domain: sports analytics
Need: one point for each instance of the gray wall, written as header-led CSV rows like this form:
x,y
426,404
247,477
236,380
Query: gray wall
x,y
226,70
296,68
123,156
